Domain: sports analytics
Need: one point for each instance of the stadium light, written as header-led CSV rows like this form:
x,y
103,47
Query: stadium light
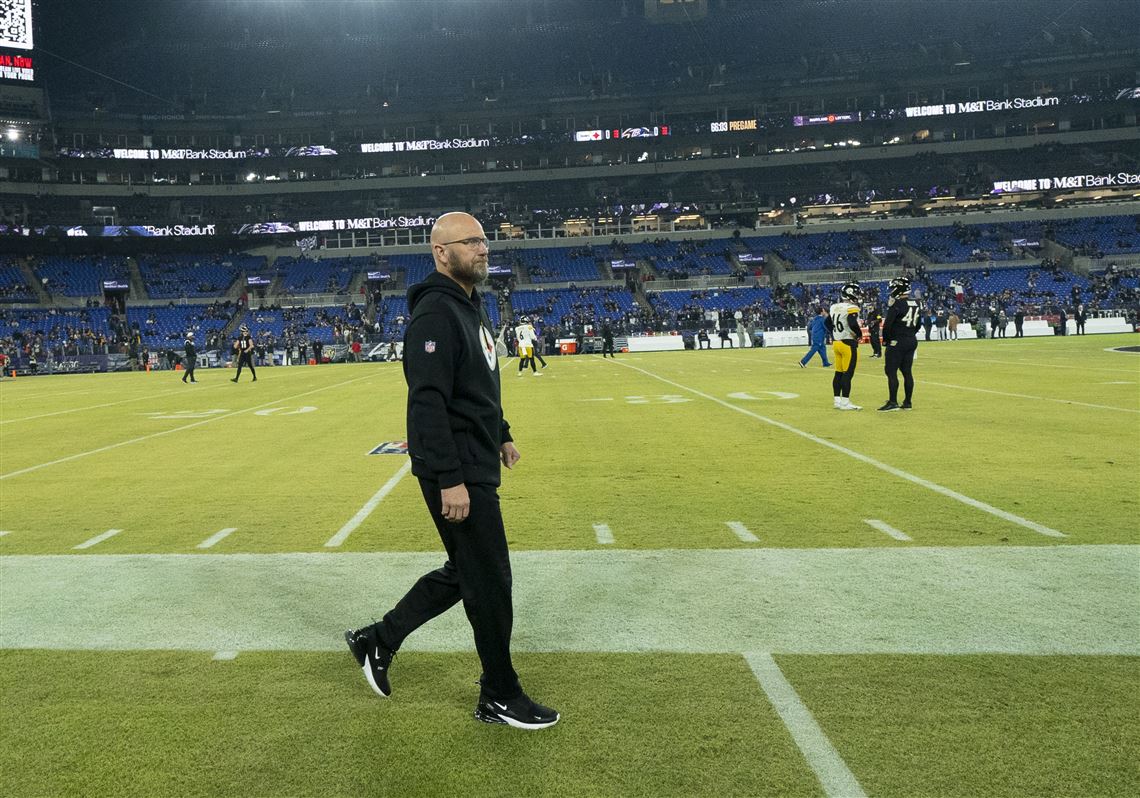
x,y
251,177
13,134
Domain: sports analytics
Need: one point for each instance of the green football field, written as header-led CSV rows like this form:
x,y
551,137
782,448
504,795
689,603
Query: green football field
x,y
726,586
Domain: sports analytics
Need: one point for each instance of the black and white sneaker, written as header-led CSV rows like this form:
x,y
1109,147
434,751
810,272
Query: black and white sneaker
x,y
521,712
372,658
889,406
905,406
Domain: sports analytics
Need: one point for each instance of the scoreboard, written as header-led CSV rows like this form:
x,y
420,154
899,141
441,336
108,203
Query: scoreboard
x,y
16,63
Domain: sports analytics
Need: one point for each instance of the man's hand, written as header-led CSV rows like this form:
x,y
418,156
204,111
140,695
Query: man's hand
x,y
509,454
456,503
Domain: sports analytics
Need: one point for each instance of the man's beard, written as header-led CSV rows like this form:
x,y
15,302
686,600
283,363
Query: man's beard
x,y
474,272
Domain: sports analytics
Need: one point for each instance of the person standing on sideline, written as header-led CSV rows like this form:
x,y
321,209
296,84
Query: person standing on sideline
x,y
533,346
817,337
607,339
457,438
1019,322
952,325
244,346
1080,316
191,357
900,335
874,324
1003,322
942,324
845,334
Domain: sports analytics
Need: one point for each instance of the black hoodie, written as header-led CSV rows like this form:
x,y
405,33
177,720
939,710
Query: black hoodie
x,y
455,411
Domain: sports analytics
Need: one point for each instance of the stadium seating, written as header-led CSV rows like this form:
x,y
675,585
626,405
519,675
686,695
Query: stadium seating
x,y
80,276
58,327
166,327
193,276
319,276
559,306
959,244
13,287
814,250
1099,235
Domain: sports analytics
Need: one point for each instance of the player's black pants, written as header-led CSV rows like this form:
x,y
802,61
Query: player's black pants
x,y
900,358
607,347
247,361
478,573
189,375
876,343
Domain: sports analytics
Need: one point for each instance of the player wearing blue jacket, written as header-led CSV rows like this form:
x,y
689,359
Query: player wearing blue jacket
x,y
817,336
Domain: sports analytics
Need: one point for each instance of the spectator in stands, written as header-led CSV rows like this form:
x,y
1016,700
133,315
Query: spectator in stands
x,y
817,337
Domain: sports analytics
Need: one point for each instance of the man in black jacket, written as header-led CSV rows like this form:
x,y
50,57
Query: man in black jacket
x,y
191,358
457,438
900,334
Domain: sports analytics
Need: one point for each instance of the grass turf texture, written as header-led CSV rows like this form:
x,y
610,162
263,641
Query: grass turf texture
x,y
120,724
601,442
978,725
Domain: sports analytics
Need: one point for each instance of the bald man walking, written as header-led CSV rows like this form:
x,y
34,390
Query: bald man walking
x,y
457,439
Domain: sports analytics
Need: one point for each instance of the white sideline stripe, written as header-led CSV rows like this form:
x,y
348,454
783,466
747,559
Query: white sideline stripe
x,y
342,535
4,532
742,532
217,536
108,448
1028,396
225,656
833,774
89,407
604,534
887,528
110,533
898,472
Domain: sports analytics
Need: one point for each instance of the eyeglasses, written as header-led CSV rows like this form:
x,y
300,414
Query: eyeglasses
x,y
474,243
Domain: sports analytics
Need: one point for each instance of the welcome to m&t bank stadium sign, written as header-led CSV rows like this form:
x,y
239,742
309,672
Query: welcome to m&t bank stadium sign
x,y
980,106
1117,180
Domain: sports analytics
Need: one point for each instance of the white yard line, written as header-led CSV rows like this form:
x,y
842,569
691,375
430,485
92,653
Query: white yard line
x,y
110,533
225,656
742,532
886,528
342,534
834,776
176,429
1028,396
604,534
91,407
1028,364
217,536
4,532
898,472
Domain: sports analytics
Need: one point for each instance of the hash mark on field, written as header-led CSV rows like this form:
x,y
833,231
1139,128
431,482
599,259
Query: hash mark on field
x,y
342,534
742,532
604,533
887,528
217,536
833,774
4,532
225,656
898,472
110,533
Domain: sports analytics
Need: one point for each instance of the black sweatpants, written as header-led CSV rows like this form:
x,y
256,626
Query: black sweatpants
x,y
247,361
478,573
189,374
900,358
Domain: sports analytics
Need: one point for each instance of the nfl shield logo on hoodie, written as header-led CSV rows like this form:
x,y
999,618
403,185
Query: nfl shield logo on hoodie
x,y
429,346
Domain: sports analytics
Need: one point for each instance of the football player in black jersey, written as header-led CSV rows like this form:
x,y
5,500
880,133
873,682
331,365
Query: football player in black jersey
x,y
245,354
901,339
